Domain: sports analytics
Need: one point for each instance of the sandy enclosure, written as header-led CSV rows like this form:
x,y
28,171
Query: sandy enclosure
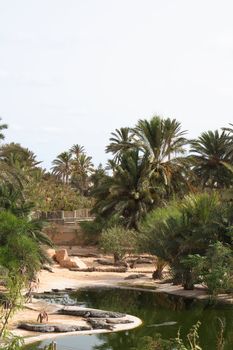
x,y
62,278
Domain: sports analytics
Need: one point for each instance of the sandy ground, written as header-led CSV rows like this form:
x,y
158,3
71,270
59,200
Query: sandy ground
x,y
62,278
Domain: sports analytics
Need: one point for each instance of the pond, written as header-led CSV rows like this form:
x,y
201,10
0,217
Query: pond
x,y
160,313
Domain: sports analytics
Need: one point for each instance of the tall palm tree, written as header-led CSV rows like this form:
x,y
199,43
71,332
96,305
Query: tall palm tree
x,y
82,168
163,142
211,158
121,141
62,166
77,150
160,138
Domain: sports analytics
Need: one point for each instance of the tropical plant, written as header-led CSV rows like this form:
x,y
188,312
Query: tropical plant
x,y
214,269
21,239
74,167
98,176
211,156
62,166
15,282
2,127
77,150
21,257
163,142
121,141
128,195
82,168
186,228
118,241
17,156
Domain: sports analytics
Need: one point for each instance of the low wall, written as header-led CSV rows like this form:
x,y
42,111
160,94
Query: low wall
x,y
61,234
63,227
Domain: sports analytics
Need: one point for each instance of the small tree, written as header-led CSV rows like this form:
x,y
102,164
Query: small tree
x,y
118,241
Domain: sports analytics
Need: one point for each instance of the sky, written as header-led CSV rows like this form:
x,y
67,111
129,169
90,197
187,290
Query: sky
x,y
72,71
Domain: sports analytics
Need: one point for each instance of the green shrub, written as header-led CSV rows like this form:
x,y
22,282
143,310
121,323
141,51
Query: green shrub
x,y
214,269
118,241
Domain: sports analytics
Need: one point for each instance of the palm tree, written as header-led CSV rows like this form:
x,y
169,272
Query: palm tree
x,y
162,141
122,140
12,198
19,158
229,130
212,158
2,127
128,195
161,138
82,168
14,232
62,166
98,176
77,150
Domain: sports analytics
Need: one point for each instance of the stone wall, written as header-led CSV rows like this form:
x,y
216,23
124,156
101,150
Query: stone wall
x,y
62,234
63,227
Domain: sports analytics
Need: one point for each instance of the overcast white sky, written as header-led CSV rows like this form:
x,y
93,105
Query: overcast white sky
x,y
71,71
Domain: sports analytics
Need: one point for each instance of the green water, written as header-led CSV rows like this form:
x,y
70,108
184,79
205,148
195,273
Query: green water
x,y
153,309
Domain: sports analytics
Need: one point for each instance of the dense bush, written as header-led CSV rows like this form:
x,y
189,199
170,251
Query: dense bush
x,y
118,241
190,227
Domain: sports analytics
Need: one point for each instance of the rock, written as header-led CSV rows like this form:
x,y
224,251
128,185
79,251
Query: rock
x,y
67,263
134,276
73,263
51,253
79,263
61,255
